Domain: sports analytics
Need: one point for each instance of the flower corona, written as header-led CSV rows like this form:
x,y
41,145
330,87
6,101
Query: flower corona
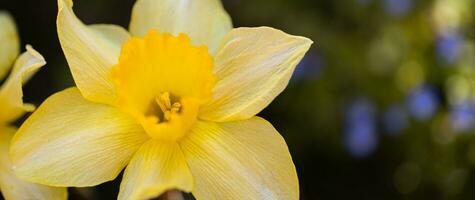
x,y
162,80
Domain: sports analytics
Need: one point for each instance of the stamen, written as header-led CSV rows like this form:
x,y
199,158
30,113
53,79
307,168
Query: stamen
x,y
164,102
167,115
176,107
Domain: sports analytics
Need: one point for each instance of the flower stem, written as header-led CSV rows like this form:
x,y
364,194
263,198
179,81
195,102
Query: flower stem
x,y
173,195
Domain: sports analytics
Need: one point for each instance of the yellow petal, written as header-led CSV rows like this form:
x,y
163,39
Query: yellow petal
x,y
115,35
11,94
205,21
253,66
154,169
90,52
235,160
10,44
70,141
16,189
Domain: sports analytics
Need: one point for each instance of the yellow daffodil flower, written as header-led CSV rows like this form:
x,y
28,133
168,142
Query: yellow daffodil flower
x,y
174,100
12,107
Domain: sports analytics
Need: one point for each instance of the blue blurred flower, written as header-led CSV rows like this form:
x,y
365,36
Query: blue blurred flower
x,y
423,102
309,68
448,46
398,8
360,138
462,116
395,119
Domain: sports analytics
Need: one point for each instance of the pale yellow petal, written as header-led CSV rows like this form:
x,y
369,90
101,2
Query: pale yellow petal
x,y
91,51
154,169
11,93
115,35
10,43
70,141
205,21
15,189
240,160
253,66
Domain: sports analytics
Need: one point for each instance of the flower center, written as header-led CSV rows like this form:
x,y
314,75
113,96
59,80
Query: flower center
x,y
162,80
166,106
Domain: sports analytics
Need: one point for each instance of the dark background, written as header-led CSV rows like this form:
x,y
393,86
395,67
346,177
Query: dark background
x,y
381,107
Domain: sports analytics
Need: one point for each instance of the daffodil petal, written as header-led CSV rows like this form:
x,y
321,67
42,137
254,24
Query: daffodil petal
x,y
70,141
91,51
11,93
155,168
253,66
10,44
233,160
16,189
115,35
205,21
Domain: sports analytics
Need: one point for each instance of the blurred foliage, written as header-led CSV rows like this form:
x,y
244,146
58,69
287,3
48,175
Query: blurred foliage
x,y
382,107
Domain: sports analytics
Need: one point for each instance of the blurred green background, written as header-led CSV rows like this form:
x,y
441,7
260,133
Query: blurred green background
x,y
381,107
